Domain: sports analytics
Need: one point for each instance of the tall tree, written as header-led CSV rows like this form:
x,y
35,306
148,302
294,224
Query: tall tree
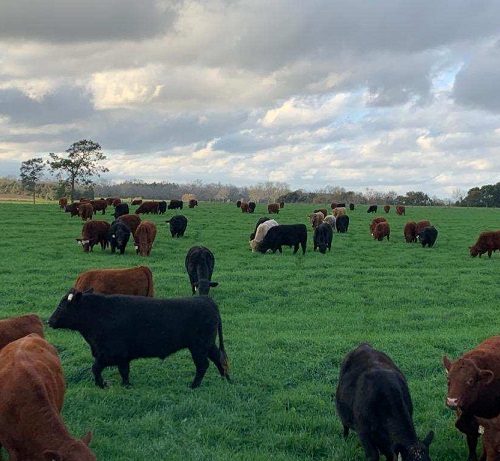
x,y
80,166
31,173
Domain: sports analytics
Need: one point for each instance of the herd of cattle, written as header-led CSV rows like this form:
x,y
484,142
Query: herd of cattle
x,y
116,313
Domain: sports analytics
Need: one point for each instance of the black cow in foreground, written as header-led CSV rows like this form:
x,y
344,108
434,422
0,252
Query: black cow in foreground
x,y
259,222
342,223
427,236
121,328
177,224
285,234
121,209
372,209
323,235
118,236
373,399
200,264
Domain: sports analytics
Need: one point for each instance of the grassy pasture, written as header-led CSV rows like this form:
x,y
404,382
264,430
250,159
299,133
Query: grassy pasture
x,y
288,322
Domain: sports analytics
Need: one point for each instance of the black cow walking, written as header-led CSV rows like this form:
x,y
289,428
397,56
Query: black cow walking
x,y
121,328
373,399
427,236
200,263
323,235
285,234
177,224
342,223
118,236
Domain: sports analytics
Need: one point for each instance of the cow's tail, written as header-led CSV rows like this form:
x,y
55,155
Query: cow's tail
x,y
223,356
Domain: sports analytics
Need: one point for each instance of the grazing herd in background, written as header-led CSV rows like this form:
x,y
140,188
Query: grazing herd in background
x,y
117,314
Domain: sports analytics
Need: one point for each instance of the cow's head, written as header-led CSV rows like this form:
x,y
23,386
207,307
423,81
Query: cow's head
x,y
203,286
68,312
85,243
473,251
466,383
76,450
416,452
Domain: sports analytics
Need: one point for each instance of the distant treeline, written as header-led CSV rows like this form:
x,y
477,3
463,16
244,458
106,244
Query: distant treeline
x,y
485,196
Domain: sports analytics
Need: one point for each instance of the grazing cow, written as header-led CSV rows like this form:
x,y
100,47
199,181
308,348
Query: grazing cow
x,y
192,203
131,220
387,208
244,207
72,208
421,225
136,281
375,221
144,237
400,210
136,201
316,218
94,232
487,242
273,208
121,209
339,211
285,234
373,399
238,204
31,398
410,232
175,204
16,327
177,224
427,236
85,211
372,209
342,223
381,230
331,221
116,202
63,202
260,232
147,207
122,328
118,236
200,264
282,204
259,222
99,205
162,207
322,210
323,235
251,207
351,206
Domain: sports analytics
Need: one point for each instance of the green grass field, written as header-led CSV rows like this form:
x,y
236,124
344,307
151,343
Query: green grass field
x,y
288,322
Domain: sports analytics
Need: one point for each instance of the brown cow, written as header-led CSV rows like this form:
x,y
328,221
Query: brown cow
x,y
192,203
85,211
148,207
333,205
322,210
374,223
422,224
94,232
381,230
282,204
244,207
144,237
339,211
273,208
128,281
16,327
487,242
31,398
99,205
491,438
63,201
400,210
131,220
387,208
72,208
316,218
136,201
116,201
410,232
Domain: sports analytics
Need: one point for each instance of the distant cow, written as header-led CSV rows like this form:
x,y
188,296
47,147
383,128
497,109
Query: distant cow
x,y
251,207
387,208
487,242
116,202
410,232
316,218
342,223
244,207
136,201
110,200
63,201
400,210
16,327
175,204
339,211
323,235
259,222
351,206
121,209
72,208
177,224
122,328
372,209
238,204
93,233
381,230
282,204
260,233
131,220
427,236
136,281
192,203
340,205
333,205
85,211
322,210
375,221
200,263
162,207
99,205
273,208
331,221
144,237
118,236
285,235
373,399
31,398
147,207
421,225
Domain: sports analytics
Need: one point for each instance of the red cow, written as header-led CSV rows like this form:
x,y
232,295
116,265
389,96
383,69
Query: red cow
x,y
131,220
148,207
144,237
410,232
282,205
72,208
487,242
193,203
387,208
16,327
244,207
374,223
322,210
381,230
128,281
63,201
422,224
94,232
333,205
31,398
274,208
400,210
99,205
116,201
85,211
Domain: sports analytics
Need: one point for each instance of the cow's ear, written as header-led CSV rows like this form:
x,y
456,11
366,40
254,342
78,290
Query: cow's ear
x,y
50,455
213,284
428,439
446,363
486,376
87,438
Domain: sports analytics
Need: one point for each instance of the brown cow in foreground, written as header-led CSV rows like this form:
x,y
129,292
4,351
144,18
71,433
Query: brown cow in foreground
x,y
94,232
31,398
410,232
381,230
273,208
16,327
144,237
127,281
487,242
131,220
374,223
421,225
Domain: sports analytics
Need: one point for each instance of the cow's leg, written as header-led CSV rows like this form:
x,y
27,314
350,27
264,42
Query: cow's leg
x,y
371,451
214,355
201,361
303,244
489,253
124,369
469,426
97,368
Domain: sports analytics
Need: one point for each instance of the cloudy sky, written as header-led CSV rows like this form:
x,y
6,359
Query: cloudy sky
x,y
387,94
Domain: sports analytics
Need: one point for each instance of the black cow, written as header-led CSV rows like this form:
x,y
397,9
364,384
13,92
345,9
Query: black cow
x,y
351,206
372,209
162,207
121,209
373,399
200,264
285,234
323,235
259,222
121,328
175,204
340,205
178,224
342,223
118,236
427,236
251,207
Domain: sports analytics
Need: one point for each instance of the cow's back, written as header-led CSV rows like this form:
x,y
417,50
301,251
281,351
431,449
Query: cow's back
x,y
16,327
